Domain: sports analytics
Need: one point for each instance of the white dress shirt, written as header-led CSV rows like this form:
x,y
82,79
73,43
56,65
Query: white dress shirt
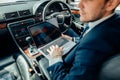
x,y
93,24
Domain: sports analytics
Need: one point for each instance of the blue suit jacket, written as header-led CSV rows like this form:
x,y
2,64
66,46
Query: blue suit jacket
x,y
84,60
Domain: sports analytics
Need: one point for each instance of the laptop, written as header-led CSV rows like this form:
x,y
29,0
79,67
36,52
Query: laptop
x,y
45,34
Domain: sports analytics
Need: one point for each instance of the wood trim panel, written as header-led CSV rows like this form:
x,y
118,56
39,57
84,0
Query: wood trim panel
x,y
75,11
32,56
3,25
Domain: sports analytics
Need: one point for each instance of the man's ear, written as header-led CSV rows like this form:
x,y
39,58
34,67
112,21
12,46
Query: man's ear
x,y
112,4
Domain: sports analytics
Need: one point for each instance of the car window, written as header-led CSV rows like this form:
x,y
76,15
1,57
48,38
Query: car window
x,y
7,1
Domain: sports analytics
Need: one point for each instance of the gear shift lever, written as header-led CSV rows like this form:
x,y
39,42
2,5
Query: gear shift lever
x,y
32,48
29,41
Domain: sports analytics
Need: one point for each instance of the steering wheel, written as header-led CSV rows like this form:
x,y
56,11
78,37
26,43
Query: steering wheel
x,y
63,16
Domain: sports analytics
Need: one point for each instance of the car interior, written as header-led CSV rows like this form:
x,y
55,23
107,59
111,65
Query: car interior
x,y
19,58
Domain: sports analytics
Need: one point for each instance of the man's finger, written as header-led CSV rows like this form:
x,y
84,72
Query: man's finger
x,y
48,51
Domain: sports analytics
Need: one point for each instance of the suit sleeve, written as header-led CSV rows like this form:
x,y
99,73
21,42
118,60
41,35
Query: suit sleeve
x,y
83,66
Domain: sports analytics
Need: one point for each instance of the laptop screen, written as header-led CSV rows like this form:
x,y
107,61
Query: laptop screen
x,y
43,33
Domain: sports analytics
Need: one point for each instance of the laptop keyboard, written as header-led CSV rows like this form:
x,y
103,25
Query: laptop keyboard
x,y
60,42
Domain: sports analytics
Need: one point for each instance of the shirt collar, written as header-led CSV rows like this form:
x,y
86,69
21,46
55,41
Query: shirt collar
x,y
93,24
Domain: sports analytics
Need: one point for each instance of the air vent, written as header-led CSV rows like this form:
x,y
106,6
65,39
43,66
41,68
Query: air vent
x,y
11,15
24,12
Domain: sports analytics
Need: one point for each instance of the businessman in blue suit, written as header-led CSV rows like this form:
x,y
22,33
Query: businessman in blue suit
x,y
100,41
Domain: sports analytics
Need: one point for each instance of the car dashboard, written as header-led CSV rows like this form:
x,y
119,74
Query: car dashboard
x,y
15,17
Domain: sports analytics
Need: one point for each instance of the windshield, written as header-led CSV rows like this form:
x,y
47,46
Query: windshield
x,y
7,1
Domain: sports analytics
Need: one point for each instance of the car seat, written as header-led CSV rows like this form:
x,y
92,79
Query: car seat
x,y
111,69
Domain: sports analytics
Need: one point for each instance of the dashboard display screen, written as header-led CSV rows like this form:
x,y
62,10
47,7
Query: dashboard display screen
x,y
19,29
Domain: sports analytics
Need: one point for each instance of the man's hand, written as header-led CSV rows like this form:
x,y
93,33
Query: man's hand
x,y
66,37
55,51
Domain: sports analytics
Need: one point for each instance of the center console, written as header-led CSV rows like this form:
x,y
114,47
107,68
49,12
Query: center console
x,y
19,31
22,38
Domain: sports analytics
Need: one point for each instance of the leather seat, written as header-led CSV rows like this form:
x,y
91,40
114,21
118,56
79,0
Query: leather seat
x,y
111,69
14,67
22,66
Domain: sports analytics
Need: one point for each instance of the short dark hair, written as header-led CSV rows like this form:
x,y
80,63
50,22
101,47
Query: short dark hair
x,y
106,0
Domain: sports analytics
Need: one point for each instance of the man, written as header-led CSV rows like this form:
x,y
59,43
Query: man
x,y
100,41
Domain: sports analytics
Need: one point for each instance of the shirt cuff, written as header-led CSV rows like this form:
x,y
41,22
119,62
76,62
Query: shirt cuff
x,y
76,39
73,39
55,60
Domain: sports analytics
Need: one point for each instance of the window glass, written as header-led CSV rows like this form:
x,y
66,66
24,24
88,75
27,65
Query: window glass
x,y
7,1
